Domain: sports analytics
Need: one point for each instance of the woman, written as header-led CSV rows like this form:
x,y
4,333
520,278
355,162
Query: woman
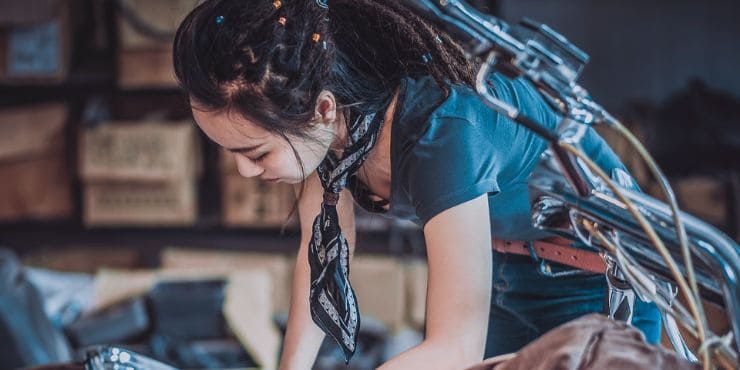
x,y
362,99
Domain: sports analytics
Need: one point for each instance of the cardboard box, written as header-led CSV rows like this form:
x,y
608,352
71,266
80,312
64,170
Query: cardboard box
x,y
31,131
164,16
36,189
140,151
380,287
145,60
35,41
140,203
140,173
251,202
146,69
36,178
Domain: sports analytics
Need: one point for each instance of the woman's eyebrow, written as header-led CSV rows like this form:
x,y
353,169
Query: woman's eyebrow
x,y
246,149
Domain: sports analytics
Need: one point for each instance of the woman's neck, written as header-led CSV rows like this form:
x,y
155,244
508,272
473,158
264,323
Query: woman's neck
x,y
375,173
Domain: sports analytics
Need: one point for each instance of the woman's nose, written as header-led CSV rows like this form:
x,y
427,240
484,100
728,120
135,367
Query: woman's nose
x,y
247,168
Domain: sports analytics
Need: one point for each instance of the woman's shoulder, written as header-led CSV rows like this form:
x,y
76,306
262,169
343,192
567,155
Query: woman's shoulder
x,y
425,103
419,97
423,100
465,103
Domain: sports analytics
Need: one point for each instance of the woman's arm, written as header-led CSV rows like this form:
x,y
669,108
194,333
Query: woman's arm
x,y
303,338
459,290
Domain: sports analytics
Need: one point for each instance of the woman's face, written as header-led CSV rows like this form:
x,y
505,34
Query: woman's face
x,y
263,154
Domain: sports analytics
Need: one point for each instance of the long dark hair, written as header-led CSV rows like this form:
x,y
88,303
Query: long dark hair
x,y
269,60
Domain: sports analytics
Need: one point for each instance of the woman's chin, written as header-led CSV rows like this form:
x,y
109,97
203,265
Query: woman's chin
x,y
290,181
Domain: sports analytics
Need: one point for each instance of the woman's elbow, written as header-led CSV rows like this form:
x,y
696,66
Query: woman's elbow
x,y
459,353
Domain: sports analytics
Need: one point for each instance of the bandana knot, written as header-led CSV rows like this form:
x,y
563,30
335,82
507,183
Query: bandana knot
x,y
333,303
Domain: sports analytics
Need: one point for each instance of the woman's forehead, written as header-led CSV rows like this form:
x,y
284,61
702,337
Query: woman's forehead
x,y
230,130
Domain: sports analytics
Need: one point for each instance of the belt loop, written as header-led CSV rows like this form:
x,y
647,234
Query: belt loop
x,y
532,251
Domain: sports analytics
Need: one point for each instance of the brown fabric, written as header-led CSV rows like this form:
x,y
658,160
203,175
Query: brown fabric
x,y
555,251
592,342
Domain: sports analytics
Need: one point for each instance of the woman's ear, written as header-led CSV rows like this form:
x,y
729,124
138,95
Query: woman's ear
x,y
326,108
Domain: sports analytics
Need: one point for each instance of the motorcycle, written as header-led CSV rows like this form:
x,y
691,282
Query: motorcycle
x,y
110,358
652,250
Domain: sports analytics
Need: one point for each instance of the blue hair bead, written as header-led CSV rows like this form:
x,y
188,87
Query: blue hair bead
x,y
220,19
427,58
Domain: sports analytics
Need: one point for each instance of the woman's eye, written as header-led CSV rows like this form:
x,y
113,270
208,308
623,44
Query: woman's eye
x,y
260,158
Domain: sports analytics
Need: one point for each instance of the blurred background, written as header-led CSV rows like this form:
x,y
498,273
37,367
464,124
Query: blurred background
x,y
120,224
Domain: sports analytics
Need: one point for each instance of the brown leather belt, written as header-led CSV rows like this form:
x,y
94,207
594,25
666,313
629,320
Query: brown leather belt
x,y
554,250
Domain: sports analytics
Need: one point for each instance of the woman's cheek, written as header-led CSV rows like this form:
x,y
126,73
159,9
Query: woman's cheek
x,y
289,167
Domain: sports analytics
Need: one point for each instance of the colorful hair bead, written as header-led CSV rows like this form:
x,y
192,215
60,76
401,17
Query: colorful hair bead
x,y
277,4
220,19
427,58
315,37
282,21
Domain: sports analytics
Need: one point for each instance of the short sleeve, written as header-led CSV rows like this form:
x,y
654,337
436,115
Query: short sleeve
x,y
452,162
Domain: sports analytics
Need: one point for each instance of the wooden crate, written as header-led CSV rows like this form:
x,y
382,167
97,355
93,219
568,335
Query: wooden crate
x,y
146,69
140,204
253,203
145,61
35,41
36,177
163,15
140,151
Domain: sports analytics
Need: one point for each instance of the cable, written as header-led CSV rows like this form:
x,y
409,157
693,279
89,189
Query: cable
x,y
718,345
628,266
662,250
671,199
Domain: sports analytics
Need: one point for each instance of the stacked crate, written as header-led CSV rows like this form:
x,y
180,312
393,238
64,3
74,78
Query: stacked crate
x,y
249,202
36,181
146,30
142,174
35,41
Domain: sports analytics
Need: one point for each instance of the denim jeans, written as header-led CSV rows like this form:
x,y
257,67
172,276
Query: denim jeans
x,y
525,303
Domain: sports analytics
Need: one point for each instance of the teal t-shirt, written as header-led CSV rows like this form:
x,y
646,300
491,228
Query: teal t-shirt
x,y
446,150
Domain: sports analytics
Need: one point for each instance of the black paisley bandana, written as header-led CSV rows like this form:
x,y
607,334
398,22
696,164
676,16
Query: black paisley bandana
x,y
333,303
